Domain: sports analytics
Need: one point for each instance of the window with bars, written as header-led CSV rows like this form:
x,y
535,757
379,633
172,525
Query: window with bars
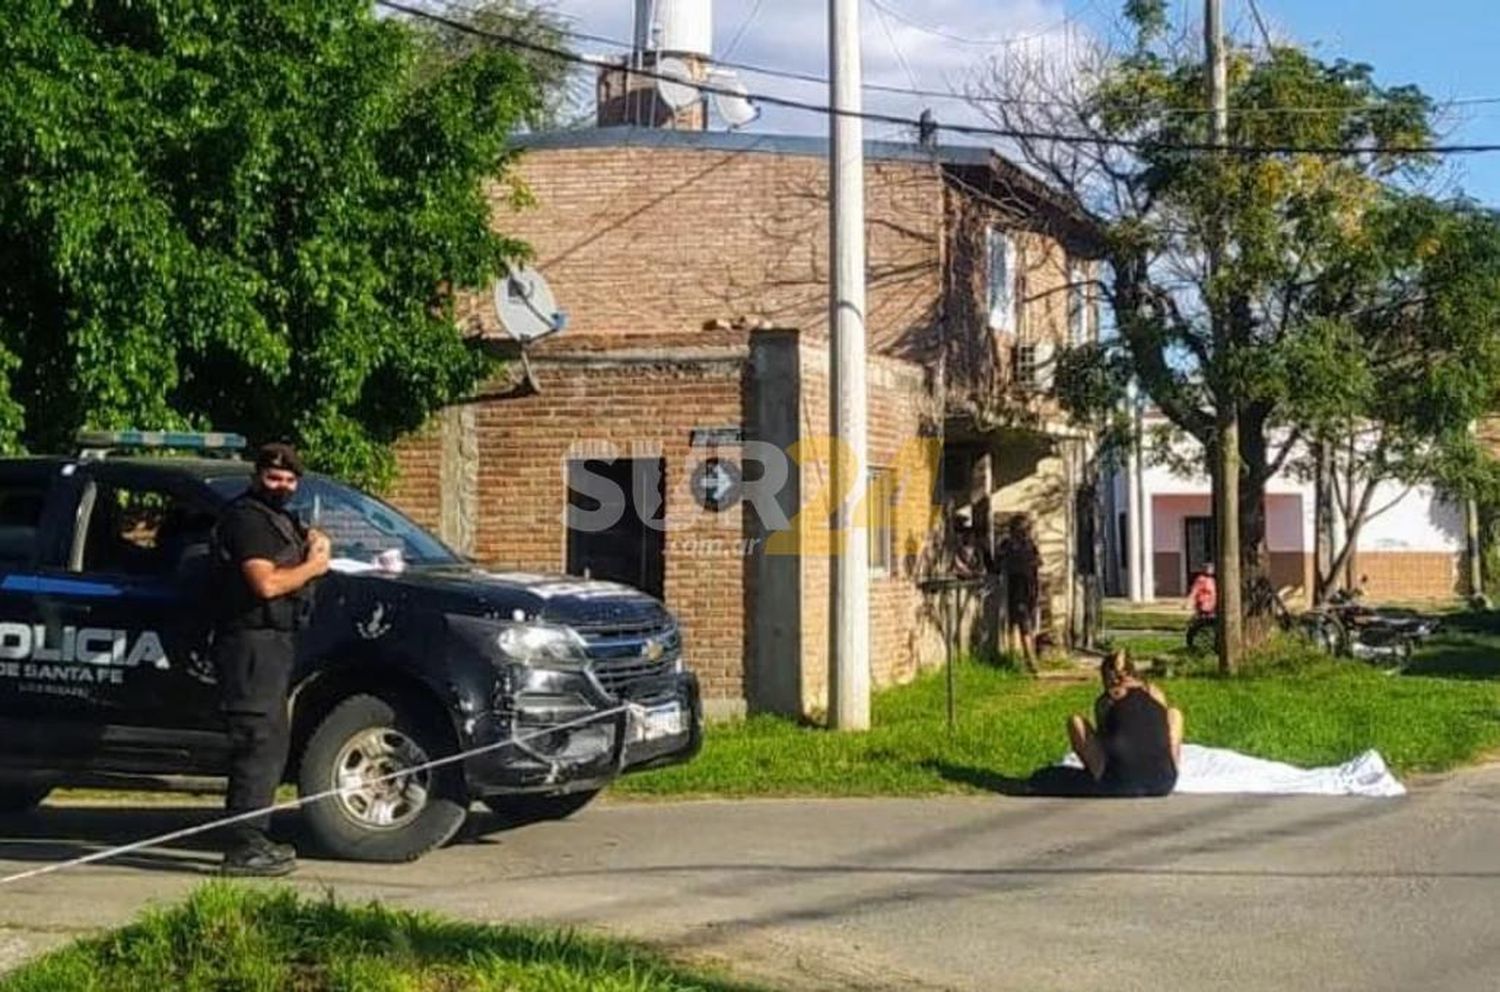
x,y
1032,366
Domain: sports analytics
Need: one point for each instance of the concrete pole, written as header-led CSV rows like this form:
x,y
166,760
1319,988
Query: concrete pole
x,y
849,681
1148,542
1139,525
1476,548
1227,420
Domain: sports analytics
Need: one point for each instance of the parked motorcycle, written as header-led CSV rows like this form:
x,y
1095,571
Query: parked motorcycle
x,y
1376,633
1348,606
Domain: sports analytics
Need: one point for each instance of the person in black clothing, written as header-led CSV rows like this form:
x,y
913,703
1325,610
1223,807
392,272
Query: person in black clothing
x,y
1020,561
265,562
1137,746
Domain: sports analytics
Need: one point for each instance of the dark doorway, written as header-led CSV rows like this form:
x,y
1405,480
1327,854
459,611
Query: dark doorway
x,y
616,521
1199,544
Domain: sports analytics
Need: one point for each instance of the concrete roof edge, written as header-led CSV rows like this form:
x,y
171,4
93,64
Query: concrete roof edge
x,y
812,146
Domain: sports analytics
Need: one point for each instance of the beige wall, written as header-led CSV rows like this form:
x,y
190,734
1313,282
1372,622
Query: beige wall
x,y
1033,475
1404,576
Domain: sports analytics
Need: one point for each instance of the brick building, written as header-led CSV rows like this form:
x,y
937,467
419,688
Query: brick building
x,y
693,268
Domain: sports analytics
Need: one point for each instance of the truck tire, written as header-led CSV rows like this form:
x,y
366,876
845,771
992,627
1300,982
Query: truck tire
x,y
395,819
521,809
22,797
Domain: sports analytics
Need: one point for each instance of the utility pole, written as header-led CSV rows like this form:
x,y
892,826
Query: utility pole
x,y
849,673
1226,474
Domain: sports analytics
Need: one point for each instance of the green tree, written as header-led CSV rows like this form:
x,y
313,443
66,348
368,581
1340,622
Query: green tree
x,y
254,217
1388,386
1206,340
480,24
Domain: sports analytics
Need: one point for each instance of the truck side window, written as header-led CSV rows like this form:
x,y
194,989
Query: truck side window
x,y
140,532
21,506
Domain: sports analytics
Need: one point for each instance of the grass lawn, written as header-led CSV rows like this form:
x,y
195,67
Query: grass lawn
x,y
1120,618
1443,712
250,939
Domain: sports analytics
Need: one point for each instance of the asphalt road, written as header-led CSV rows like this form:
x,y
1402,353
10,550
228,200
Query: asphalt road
x,y
1196,893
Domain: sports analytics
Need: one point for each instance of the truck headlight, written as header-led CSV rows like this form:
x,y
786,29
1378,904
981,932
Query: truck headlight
x,y
541,645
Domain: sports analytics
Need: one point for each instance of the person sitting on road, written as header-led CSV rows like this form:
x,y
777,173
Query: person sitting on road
x,y
1204,595
1137,746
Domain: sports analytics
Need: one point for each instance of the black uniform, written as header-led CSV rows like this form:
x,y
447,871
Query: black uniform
x,y
254,645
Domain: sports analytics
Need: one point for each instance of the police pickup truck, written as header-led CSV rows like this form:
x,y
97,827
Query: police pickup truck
x,y
411,653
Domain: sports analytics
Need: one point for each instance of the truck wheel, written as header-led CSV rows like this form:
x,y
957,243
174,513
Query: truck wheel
x,y
522,809
22,797
361,747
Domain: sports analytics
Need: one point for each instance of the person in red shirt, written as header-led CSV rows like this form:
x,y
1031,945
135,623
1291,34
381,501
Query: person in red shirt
x,y
1204,595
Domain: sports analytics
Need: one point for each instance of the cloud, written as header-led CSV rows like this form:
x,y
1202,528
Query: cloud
x,y
915,44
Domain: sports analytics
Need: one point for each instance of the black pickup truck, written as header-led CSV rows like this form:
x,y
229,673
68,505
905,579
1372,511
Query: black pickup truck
x,y
411,653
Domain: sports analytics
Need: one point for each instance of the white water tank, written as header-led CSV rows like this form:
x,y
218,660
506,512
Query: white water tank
x,y
679,27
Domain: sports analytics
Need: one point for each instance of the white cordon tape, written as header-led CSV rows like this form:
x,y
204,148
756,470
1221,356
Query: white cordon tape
x,y
301,801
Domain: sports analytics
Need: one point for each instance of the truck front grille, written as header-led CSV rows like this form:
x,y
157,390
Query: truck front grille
x,y
622,655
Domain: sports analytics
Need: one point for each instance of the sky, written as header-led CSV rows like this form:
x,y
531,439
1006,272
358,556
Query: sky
x,y
1449,48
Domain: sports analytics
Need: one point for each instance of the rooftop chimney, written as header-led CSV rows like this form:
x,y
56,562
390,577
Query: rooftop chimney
x,y
671,37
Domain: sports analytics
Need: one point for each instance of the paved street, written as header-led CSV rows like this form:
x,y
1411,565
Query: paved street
x,y
1188,893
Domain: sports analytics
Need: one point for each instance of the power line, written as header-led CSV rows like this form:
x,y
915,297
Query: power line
x,y
794,75
969,130
1260,22
958,39
896,48
744,26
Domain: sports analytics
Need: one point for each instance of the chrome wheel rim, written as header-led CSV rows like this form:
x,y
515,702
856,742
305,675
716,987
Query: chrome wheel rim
x,y
377,788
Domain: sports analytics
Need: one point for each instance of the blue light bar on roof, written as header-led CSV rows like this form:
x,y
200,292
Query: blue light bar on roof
x,y
210,441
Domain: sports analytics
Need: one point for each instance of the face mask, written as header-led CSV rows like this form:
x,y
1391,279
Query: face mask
x,y
276,498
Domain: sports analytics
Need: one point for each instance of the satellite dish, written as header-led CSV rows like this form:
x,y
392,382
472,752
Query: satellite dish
x,y
525,305
676,86
734,106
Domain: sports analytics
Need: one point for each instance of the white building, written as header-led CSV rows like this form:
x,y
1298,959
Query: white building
x,y
1414,549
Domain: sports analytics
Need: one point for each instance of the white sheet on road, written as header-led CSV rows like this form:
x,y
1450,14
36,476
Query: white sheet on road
x,y
1219,770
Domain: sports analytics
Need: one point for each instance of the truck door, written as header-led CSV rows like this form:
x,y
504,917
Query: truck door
x,y
134,606
32,498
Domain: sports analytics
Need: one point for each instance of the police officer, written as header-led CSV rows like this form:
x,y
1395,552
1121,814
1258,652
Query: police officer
x,y
265,563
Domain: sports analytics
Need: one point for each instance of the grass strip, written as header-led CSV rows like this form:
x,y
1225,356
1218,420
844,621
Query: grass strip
x,y
251,939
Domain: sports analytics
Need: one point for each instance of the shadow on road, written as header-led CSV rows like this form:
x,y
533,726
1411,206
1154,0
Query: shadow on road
x,y
61,833
1050,782
53,834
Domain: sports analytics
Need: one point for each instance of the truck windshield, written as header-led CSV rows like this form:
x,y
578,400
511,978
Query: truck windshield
x,y
360,526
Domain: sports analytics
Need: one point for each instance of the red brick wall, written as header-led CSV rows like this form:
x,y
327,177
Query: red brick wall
x,y
644,245
645,412
640,239
903,637
418,487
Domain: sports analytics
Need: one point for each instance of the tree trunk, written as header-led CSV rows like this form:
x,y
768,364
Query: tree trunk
x,y
1255,555
1323,522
